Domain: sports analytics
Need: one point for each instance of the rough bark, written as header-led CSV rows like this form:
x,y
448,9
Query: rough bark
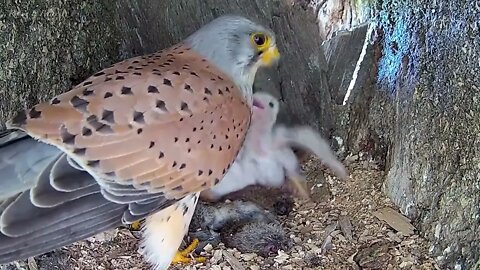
x,y
50,45
419,111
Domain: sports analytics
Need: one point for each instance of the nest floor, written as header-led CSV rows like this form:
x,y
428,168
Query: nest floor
x,y
346,226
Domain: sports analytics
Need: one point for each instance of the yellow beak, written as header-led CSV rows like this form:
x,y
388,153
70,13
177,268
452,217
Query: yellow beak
x,y
270,56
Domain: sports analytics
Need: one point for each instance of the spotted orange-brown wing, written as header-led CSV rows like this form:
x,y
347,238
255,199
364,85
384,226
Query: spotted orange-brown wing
x,y
168,122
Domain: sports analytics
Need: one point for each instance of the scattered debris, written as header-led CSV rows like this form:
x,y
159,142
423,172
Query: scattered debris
x,y
32,265
346,227
326,234
236,265
327,243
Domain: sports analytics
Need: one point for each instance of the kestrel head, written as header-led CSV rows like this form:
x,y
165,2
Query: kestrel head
x,y
237,46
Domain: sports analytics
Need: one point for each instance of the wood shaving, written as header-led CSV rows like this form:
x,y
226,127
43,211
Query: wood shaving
x,y
395,220
236,265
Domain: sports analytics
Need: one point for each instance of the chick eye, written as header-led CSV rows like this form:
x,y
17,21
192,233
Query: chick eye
x,y
259,39
270,104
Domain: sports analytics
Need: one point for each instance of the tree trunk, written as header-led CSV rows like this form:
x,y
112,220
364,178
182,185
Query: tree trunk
x,y
48,46
416,110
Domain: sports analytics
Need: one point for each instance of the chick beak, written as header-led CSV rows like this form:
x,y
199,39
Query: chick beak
x,y
270,56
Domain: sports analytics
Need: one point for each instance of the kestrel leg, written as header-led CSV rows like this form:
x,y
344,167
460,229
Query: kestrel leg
x,y
164,231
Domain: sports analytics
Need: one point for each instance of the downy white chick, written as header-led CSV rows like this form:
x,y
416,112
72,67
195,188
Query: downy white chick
x,y
267,157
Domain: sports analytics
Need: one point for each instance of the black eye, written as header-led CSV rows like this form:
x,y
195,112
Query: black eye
x,y
259,39
270,104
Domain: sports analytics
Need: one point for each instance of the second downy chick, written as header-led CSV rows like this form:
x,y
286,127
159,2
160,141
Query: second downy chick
x,y
239,224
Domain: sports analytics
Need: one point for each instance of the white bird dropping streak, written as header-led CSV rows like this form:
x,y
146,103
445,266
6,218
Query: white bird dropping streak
x,y
359,63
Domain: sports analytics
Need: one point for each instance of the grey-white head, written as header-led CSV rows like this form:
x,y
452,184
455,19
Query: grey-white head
x,y
265,108
237,46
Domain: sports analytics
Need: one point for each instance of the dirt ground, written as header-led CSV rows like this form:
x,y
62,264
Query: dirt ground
x,y
339,229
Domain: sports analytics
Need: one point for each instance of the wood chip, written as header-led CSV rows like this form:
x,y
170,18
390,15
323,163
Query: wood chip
x,y
327,244
396,220
32,264
353,262
281,257
346,227
236,265
394,237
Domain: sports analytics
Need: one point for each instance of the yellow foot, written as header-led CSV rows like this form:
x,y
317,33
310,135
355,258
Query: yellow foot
x,y
181,256
136,225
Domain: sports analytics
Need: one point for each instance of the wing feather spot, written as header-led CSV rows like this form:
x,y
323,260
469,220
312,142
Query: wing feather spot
x,y
152,89
86,131
80,151
99,126
107,116
184,107
167,82
78,103
67,138
138,117
55,101
126,90
87,92
93,163
161,105
34,113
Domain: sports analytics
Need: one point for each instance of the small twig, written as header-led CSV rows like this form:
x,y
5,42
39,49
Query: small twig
x,y
32,264
327,242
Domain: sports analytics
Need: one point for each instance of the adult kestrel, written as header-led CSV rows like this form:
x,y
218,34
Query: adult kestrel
x,y
141,138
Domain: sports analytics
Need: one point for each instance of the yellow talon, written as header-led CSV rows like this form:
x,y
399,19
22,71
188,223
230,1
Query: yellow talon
x,y
136,225
181,256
